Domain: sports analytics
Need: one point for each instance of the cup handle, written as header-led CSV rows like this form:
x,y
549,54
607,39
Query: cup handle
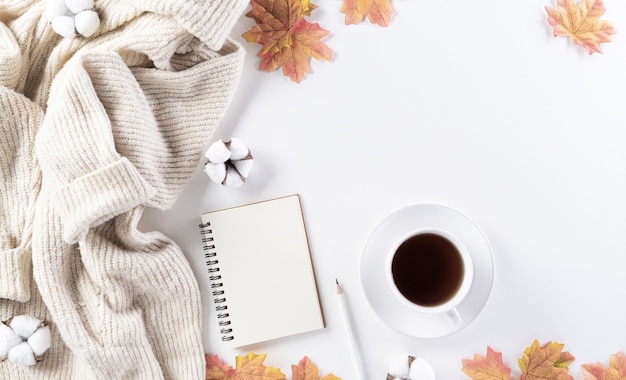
x,y
454,316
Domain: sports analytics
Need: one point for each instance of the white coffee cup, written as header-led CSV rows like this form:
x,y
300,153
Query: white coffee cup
x,y
430,270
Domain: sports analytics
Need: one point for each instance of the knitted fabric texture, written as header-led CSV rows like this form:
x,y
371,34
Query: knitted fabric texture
x,y
94,131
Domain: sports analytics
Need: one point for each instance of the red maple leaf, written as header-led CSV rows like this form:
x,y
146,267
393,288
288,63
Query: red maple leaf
x,y
488,367
615,371
288,39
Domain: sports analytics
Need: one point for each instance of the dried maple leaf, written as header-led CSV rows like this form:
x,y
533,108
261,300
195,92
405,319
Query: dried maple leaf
x,y
251,367
488,367
581,23
288,39
615,371
545,362
377,11
217,370
305,370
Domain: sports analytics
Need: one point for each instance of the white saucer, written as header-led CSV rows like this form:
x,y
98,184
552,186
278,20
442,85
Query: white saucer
x,y
396,313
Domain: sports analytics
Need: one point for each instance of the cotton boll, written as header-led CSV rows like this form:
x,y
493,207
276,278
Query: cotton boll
x,y
243,167
40,341
421,370
56,8
87,23
70,18
217,172
8,339
399,367
217,152
23,339
77,6
24,325
233,179
22,354
64,25
229,162
238,150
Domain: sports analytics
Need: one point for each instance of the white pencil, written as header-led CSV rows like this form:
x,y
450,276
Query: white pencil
x,y
351,337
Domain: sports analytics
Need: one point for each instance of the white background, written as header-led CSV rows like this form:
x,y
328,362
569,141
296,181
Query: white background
x,y
473,104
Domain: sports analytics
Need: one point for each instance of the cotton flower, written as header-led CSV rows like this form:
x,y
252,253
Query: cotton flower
x,y
71,18
407,367
229,162
24,339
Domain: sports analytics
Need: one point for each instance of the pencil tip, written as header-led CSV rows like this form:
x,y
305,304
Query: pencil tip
x,y
338,286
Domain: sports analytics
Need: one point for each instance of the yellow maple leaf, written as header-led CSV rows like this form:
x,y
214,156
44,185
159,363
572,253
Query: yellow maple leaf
x,y
545,362
307,7
377,11
581,23
251,367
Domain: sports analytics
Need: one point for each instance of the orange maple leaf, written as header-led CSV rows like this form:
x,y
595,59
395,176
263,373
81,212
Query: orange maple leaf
x,y
305,370
377,11
581,23
288,39
251,367
615,371
488,367
545,362
217,370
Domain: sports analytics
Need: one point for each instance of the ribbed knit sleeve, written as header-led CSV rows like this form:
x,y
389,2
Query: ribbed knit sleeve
x,y
187,106
92,182
126,302
12,9
209,20
10,58
19,188
109,148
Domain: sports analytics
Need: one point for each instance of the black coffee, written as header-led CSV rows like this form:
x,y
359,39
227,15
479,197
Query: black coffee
x,y
427,269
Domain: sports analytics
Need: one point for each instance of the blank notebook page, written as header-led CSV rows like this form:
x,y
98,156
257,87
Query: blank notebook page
x,y
262,256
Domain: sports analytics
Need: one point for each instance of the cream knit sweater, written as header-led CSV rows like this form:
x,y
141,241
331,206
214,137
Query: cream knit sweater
x,y
93,131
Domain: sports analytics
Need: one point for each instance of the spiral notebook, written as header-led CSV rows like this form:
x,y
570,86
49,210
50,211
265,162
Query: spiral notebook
x,y
261,275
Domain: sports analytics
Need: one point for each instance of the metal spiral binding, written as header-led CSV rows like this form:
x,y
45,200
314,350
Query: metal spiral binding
x,y
219,298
